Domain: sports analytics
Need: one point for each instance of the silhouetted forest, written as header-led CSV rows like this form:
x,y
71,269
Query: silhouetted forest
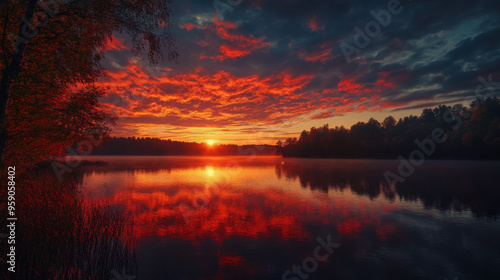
x,y
159,147
469,133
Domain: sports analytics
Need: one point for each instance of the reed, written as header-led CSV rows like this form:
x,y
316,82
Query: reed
x,y
62,235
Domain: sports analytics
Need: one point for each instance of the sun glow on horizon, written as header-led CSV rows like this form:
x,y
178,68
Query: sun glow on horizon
x,y
210,142
209,170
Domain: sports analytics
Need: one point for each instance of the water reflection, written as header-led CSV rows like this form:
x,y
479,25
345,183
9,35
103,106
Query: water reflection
x,y
444,185
252,218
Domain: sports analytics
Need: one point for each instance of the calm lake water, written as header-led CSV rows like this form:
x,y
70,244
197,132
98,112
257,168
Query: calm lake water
x,y
257,218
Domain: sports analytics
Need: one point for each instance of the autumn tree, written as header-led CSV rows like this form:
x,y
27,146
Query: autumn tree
x,y
50,60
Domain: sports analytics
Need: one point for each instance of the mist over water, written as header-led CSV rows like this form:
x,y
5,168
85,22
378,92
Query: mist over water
x,y
254,218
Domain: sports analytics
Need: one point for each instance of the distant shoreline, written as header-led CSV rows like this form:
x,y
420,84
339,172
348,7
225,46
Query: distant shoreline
x,y
282,157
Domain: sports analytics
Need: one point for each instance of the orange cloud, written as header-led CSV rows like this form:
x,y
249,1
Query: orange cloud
x,y
218,98
226,105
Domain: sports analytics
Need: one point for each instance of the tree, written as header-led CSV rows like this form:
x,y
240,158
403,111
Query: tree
x,y
472,132
482,131
50,58
389,123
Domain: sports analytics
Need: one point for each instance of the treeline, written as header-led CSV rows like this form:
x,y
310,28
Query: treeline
x,y
470,133
159,147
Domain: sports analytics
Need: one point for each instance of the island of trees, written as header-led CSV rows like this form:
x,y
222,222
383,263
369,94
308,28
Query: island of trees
x,y
147,146
470,133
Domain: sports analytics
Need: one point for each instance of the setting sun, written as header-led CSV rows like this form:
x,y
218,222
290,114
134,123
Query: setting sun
x,y
210,142
209,170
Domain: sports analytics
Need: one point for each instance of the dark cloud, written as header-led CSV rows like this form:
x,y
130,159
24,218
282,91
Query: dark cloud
x,y
265,56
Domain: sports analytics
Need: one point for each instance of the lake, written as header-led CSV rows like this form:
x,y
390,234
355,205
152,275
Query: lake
x,y
275,218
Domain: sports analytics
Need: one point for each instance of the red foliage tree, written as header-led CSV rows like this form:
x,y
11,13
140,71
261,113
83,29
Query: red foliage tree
x,y
50,54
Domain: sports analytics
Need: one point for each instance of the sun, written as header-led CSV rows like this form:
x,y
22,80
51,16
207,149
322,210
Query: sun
x,y
209,170
210,142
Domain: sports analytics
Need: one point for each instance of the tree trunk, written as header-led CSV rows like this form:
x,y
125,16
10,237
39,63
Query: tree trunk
x,y
11,71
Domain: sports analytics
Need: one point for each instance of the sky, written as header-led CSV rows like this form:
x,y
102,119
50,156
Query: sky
x,y
258,71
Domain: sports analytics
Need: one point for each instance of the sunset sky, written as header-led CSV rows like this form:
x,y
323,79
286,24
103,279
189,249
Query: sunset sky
x,y
269,69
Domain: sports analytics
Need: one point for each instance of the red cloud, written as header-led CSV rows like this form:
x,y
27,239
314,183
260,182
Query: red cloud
x,y
189,26
314,24
382,80
115,44
200,99
225,24
382,84
229,52
349,86
323,56
232,44
322,52
218,98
